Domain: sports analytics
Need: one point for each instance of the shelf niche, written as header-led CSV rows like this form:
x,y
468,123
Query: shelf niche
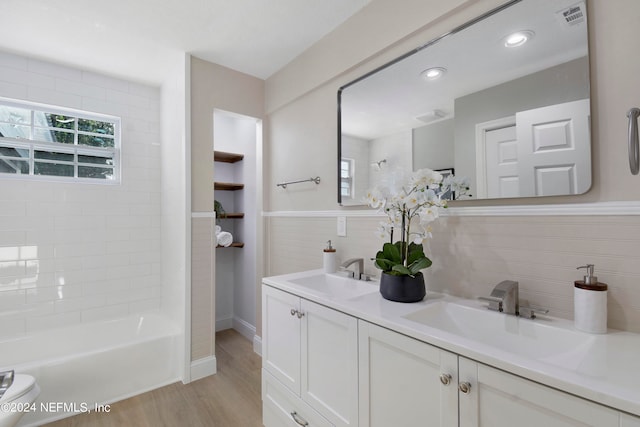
x,y
223,156
233,245
227,186
231,215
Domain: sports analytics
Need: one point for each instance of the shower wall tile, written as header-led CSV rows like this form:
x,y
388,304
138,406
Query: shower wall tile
x,y
72,253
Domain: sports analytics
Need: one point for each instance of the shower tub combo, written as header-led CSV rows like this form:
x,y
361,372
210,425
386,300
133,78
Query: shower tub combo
x,y
88,366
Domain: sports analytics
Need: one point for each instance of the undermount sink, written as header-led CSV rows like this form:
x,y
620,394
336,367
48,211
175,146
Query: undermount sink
x,y
532,338
335,286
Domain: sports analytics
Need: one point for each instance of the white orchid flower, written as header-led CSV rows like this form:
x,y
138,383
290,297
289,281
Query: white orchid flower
x,y
374,198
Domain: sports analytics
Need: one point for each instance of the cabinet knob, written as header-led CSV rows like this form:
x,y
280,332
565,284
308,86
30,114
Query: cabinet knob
x,y
464,387
298,419
298,313
445,379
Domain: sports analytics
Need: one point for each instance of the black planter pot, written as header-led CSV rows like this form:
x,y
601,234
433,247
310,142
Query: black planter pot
x,y
402,288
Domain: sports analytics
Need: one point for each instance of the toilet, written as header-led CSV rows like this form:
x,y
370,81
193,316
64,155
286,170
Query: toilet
x,y
20,395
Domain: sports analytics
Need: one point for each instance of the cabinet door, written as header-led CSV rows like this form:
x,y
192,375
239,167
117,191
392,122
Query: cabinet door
x,y
400,381
499,399
329,363
627,420
281,336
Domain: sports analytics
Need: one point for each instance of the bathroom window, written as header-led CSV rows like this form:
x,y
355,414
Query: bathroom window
x,y
46,142
346,178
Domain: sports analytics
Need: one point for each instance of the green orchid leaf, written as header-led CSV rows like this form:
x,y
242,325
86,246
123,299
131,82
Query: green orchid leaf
x,y
415,247
402,270
415,256
419,265
384,264
391,252
399,246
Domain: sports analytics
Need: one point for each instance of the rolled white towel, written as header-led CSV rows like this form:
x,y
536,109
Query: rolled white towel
x,y
224,238
218,229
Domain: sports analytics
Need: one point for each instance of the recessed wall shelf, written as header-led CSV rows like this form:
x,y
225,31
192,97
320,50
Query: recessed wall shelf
x,y
227,186
233,245
222,156
231,215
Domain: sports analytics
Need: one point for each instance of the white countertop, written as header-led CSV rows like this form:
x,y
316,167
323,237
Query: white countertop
x,y
606,371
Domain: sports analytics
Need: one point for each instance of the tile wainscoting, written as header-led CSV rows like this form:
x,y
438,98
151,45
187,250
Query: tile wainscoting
x,y
472,253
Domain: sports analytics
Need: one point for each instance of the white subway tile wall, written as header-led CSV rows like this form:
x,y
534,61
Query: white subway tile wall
x,y
72,253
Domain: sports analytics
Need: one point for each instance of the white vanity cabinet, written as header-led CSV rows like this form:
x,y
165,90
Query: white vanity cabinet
x,y
627,420
499,399
310,363
405,382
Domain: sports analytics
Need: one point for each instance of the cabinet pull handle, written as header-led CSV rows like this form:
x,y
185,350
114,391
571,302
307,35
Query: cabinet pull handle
x,y
293,311
464,387
634,150
445,379
298,419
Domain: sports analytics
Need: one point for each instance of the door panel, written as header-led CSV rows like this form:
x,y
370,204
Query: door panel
x,y
400,381
499,399
330,363
281,335
554,149
502,162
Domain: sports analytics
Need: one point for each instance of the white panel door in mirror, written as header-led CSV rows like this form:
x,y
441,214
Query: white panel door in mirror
x,y
554,148
502,162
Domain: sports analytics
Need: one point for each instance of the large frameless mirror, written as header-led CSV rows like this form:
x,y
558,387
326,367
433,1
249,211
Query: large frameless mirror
x,y
503,101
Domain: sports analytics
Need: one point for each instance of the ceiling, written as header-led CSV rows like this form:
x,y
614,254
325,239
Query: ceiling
x,y
398,98
136,38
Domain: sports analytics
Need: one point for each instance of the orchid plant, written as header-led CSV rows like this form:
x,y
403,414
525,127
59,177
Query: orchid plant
x,y
411,204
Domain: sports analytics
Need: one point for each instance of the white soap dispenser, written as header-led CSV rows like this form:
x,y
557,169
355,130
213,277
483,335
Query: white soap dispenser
x,y
590,303
329,260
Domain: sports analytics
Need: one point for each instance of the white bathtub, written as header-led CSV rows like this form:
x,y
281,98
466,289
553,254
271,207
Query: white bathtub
x,y
94,363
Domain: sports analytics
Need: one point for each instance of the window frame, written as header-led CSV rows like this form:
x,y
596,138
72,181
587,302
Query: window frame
x,y
347,179
76,149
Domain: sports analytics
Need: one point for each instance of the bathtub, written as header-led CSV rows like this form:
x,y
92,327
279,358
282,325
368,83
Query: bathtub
x,y
81,367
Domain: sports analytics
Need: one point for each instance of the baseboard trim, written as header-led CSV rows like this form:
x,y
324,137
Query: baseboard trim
x,y
222,324
257,345
245,328
203,367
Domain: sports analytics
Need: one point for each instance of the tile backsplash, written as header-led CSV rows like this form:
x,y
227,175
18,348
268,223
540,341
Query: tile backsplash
x,y
472,254
72,252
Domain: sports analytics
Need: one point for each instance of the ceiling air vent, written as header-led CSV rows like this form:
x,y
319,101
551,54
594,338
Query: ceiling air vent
x,y
431,116
573,15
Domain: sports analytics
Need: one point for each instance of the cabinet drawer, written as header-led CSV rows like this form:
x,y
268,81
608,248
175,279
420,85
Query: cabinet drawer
x,y
280,406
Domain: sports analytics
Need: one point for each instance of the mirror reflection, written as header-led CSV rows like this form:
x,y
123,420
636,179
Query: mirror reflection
x,y
502,101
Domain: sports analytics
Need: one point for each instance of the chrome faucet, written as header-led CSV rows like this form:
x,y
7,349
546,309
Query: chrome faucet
x,y
504,298
359,262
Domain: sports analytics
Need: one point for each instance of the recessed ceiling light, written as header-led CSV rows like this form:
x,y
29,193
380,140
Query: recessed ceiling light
x,y
433,73
518,38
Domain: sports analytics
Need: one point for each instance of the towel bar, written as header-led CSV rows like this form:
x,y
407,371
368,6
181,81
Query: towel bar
x,y
284,184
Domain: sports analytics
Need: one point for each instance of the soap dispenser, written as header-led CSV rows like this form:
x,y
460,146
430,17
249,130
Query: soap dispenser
x,y
329,260
590,303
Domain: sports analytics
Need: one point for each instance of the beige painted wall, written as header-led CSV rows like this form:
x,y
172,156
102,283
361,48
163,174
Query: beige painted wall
x,y
472,253
215,87
212,87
